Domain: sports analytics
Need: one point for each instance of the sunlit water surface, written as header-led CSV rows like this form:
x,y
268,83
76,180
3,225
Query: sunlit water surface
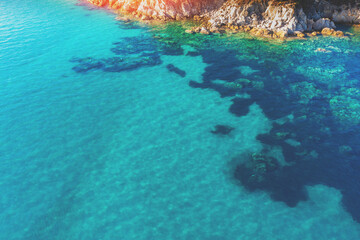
x,y
107,130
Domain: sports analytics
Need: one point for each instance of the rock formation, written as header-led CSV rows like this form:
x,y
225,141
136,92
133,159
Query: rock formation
x,y
280,17
257,168
286,16
161,9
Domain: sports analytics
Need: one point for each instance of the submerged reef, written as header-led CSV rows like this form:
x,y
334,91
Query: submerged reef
x,y
254,172
131,53
266,18
308,89
176,70
346,109
315,116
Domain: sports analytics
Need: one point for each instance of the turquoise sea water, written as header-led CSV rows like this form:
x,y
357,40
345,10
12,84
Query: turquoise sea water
x,y
107,130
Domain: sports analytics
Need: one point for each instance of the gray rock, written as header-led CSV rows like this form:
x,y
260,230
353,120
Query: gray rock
x,y
285,16
323,23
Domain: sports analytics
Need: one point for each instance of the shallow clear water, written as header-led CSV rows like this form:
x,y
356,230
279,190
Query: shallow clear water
x,y
106,130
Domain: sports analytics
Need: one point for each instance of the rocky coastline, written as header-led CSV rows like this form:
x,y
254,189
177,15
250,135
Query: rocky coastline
x,y
263,18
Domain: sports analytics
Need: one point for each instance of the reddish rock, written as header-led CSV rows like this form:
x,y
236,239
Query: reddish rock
x,y
265,18
156,9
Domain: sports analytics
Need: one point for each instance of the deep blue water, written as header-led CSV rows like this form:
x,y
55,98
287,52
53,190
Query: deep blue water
x,y
112,130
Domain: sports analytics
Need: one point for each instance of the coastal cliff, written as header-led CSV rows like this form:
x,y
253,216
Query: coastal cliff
x,y
288,17
161,9
277,17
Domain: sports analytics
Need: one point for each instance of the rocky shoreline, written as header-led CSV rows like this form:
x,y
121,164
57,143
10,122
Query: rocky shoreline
x,y
264,32
264,18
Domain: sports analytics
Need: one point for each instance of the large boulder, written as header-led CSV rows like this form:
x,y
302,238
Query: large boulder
x,y
323,23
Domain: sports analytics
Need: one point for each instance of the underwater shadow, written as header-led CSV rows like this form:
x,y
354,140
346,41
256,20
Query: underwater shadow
x,y
310,143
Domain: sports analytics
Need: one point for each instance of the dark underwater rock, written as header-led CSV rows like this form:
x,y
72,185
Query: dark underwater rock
x,y
176,70
262,172
240,106
87,64
135,45
259,166
115,64
132,53
193,54
222,130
